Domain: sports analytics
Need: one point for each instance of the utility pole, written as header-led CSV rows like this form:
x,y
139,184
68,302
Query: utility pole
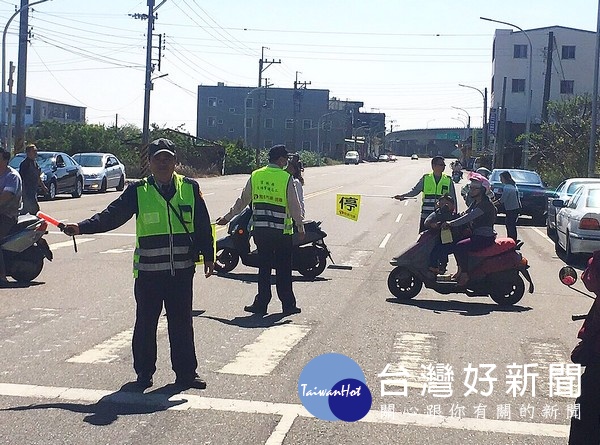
x,y
548,78
9,124
150,66
297,99
261,103
22,77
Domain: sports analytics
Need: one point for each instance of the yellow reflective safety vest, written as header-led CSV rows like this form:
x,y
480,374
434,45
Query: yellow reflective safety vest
x,y
432,192
269,199
162,243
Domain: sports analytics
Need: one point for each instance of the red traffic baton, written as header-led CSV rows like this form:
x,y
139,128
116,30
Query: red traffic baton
x,y
57,223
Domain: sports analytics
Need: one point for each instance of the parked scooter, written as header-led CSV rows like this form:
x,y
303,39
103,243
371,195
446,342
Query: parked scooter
x,y
309,256
495,271
24,248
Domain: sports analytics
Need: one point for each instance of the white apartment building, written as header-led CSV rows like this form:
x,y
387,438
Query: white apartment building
x,y
571,71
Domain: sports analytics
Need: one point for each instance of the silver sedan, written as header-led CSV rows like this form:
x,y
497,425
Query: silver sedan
x,y
578,222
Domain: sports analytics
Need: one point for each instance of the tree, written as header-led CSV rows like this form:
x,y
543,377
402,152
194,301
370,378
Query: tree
x,y
560,149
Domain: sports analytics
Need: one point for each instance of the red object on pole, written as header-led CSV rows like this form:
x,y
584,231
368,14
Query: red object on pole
x,y
51,220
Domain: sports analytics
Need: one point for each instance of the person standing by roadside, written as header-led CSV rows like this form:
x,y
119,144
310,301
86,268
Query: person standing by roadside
x,y
30,175
275,207
10,203
511,202
172,228
433,186
295,168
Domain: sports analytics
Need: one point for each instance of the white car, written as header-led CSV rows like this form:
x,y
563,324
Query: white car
x,y
564,191
101,171
578,222
352,157
383,158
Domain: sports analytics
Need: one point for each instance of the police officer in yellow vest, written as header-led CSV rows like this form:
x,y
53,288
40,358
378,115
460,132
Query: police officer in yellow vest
x,y
172,229
275,209
433,185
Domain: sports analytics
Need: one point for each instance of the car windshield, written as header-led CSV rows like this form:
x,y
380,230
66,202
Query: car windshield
x,y
89,160
44,159
519,176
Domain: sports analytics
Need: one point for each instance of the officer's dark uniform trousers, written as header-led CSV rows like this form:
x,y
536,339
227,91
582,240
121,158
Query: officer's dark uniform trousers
x,y
151,291
274,249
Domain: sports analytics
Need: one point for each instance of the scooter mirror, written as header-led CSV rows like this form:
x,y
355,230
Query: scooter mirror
x,y
567,275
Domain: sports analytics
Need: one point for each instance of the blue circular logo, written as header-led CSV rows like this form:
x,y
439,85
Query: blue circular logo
x,y
333,387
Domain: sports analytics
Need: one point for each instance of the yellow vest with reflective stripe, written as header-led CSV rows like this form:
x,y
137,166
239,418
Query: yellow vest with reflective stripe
x,y
162,243
269,199
432,191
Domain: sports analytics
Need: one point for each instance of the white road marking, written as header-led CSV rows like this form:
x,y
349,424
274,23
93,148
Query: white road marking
x,y
69,243
411,350
98,234
358,258
122,250
399,217
543,235
385,240
288,411
109,350
263,355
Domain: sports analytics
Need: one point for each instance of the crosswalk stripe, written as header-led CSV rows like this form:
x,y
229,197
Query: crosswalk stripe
x,y
265,353
69,243
411,350
289,411
109,350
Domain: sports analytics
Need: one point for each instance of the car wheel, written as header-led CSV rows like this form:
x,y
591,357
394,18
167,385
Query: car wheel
x,y
78,189
51,191
569,256
121,184
539,220
550,231
103,186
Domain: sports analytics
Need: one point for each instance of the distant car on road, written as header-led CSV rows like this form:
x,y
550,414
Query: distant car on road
x,y
101,171
60,173
532,192
392,158
564,191
414,157
383,158
578,222
352,157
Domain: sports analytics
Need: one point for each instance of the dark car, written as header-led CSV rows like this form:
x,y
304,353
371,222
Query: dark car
x,y
60,173
532,192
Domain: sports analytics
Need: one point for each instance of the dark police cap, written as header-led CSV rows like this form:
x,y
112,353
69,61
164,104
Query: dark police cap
x,y
277,151
161,145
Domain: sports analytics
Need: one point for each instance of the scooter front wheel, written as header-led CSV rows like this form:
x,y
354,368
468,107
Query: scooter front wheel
x,y
226,260
404,284
313,262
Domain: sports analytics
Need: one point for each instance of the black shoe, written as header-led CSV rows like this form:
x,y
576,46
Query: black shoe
x,y
255,310
194,382
292,310
144,381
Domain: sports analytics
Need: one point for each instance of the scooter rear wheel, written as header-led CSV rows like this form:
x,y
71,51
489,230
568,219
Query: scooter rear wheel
x,y
25,271
226,260
403,284
507,289
313,263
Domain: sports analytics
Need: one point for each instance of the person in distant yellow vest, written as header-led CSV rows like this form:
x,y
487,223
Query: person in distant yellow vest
x,y
172,228
275,208
433,186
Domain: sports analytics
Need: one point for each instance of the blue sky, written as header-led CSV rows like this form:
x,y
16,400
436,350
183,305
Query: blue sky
x,y
401,57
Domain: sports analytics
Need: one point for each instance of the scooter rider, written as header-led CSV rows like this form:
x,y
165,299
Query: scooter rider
x,y
275,204
11,190
432,185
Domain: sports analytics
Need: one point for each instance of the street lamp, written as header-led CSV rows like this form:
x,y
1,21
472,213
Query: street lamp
x,y
485,124
528,115
3,100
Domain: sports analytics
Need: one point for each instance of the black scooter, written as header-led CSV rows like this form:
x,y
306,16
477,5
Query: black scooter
x,y
24,248
309,256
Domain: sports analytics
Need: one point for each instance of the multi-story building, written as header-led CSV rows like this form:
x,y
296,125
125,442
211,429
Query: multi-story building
x,y
301,118
38,110
560,68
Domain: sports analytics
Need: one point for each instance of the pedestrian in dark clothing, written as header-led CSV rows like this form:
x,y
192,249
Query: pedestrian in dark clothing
x,y
511,202
172,228
586,429
275,208
32,181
